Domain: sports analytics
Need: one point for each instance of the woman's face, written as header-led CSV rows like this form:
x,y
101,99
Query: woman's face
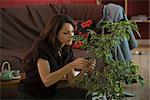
x,y
65,34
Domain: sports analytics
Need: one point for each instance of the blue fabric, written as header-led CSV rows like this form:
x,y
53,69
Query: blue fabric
x,y
115,13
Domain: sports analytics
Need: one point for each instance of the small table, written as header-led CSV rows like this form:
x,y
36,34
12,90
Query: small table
x,y
9,89
12,83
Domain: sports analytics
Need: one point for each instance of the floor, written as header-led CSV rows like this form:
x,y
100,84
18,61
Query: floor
x,y
141,56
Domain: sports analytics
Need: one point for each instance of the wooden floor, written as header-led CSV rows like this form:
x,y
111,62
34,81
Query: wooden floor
x,y
141,56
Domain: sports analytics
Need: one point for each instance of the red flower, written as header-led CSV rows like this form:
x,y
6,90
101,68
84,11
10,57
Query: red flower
x,y
82,33
85,36
86,24
80,43
89,22
83,24
77,44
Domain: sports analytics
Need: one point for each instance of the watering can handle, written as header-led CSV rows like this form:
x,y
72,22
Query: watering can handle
x,y
8,66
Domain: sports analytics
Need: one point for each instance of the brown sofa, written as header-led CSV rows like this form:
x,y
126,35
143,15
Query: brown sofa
x,y
20,26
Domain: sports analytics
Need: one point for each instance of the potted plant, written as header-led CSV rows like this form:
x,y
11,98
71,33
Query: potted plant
x,y
109,82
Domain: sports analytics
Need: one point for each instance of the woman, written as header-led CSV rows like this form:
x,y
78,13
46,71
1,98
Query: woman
x,y
50,60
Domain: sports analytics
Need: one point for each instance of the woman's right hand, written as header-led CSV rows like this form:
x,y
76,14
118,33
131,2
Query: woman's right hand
x,y
80,63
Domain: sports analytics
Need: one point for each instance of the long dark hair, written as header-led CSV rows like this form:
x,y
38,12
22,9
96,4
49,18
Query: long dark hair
x,y
50,34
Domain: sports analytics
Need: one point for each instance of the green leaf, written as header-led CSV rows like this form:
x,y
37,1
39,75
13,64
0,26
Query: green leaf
x,y
110,80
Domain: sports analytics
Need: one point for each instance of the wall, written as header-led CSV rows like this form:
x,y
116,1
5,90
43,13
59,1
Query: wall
x,y
12,3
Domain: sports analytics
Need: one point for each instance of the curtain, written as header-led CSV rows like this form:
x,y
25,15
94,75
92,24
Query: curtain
x,y
12,3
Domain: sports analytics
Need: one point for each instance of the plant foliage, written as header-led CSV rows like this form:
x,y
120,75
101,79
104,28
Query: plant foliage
x,y
109,82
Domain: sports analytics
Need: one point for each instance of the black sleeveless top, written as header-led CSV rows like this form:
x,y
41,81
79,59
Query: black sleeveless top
x,y
33,84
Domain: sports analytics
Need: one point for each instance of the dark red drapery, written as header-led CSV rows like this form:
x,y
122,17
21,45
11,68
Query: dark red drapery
x,y
12,3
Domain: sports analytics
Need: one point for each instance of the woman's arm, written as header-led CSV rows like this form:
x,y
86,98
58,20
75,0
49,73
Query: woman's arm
x,y
49,78
72,78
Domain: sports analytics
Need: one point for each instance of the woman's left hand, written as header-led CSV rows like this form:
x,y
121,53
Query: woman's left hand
x,y
92,64
90,67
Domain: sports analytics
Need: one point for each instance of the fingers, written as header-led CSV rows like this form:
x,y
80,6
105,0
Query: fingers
x,y
80,62
84,63
87,70
92,64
